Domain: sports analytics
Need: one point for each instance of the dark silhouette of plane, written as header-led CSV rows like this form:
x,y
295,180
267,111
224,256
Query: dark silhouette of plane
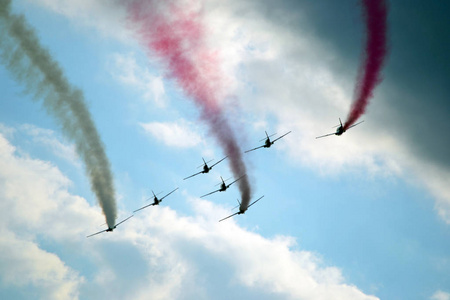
x,y
206,168
340,129
241,211
268,142
156,201
110,229
223,186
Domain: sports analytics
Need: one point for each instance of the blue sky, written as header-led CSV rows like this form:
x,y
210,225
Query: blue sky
x,y
361,216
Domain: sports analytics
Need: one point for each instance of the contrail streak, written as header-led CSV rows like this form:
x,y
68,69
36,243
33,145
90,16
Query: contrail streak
x,y
375,14
33,65
177,38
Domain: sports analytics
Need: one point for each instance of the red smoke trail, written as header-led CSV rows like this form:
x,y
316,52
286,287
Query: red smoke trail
x,y
375,13
176,38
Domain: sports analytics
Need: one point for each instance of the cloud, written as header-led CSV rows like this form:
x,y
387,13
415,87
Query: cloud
x,y
24,263
6,130
158,254
440,295
225,255
288,72
107,18
48,139
278,66
126,70
27,189
174,134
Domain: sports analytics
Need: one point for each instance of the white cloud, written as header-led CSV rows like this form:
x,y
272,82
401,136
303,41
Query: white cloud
x,y
47,138
125,69
7,131
107,18
288,73
436,179
29,190
440,295
24,263
280,73
206,251
174,134
157,254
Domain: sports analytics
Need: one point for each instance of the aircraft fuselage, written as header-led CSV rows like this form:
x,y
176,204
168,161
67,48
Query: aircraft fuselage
x,y
340,130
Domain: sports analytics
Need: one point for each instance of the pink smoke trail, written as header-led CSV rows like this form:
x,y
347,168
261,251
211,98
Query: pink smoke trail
x,y
177,38
375,14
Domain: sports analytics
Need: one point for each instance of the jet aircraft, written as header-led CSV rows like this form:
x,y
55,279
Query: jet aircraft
x,y
156,201
223,186
206,168
268,142
110,229
340,129
242,211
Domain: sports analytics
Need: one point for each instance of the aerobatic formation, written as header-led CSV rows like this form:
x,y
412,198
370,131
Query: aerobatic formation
x,y
177,38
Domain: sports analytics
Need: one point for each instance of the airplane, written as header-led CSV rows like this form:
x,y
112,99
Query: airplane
x,y
242,211
156,201
268,142
110,229
206,168
223,186
340,129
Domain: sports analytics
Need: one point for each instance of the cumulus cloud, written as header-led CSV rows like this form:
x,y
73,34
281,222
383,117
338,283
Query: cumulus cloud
x,y
440,295
174,134
228,256
158,254
286,72
48,139
105,17
126,70
27,188
24,263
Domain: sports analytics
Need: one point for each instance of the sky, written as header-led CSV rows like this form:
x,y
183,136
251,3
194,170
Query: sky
x,y
365,215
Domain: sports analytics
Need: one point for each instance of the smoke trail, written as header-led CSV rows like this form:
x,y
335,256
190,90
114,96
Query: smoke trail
x,y
375,14
32,65
177,39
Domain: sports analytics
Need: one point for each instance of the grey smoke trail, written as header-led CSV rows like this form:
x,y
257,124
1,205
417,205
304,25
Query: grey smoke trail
x,y
33,66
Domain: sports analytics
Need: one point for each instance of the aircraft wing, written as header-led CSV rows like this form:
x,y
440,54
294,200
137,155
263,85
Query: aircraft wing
x,y
325,135
143,207
254,148
355,124
255,201
229,216
167,194
123,221
280,137
218,162
193,175
209,193
235,181
96,233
